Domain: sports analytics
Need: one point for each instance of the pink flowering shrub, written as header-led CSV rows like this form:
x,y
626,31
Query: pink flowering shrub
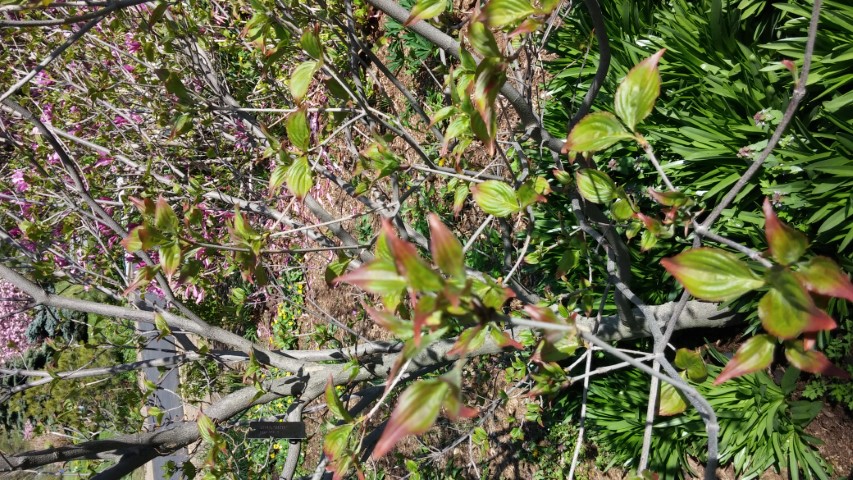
x,y
13,322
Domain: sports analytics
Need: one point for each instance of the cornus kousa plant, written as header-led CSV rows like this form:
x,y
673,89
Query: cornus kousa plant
x,y
256,247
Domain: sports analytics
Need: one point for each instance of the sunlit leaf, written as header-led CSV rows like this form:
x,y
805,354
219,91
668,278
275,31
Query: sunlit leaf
x,y
672,402
786,244
496,198
334,402
788,310
483,40
310,42
299,180
301,77
170,257
424,10
297,129
669,199
823,276
379,277
595,185
500,13
712,274
277,178
595,132
164,217
161,326
755,354
636,95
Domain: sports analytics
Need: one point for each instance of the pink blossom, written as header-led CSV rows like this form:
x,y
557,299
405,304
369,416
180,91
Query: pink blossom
x,y
13,322
128,68
53,158
120,121
130,44
47,113
43,79
19,182
104,160
29,430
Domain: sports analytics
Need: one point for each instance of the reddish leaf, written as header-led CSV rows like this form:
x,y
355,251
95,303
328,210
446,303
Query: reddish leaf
x,y
504,340
712,274
144,205
419,275
470,339
823,276
786,244
788,310
754,355
415,413
812,361
446,249
669,199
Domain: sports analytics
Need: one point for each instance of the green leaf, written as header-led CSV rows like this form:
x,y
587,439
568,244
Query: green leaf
x,y
595,185
811,361
161,325
277,178
206,428
334,403
336,442
672,402
712,274
823,276
595,132
379,277
299,180
170,257
636,95
310,42
300,80
496,198
788,310
483,40
622,209
297,129
460,194
501,13
415,413
183,124
446,249
691,362
164,217
754,355
424,10
786,244
336,269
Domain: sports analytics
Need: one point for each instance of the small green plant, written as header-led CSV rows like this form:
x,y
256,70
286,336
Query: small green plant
x,y
761,426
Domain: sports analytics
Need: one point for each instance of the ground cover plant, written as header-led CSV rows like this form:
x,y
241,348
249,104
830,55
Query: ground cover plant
x,y
421,226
